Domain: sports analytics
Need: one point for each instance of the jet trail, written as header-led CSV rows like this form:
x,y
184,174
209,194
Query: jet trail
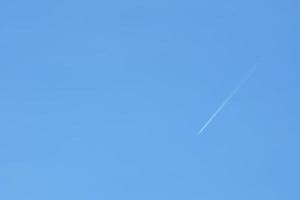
x,y
229,97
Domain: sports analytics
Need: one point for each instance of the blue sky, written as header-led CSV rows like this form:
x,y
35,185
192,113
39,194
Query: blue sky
x,y
104,99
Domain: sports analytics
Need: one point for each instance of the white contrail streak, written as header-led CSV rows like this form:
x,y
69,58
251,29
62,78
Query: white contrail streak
x,y
229,97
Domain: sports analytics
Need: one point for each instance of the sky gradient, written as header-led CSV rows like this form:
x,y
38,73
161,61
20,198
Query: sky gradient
x,y
104,99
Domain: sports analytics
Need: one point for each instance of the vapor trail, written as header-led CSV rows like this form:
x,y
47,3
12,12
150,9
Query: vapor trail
x,y
229,97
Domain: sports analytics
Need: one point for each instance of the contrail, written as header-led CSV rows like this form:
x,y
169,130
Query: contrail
x,y
229,97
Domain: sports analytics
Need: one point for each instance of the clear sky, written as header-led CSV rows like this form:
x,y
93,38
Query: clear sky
x,y
104,99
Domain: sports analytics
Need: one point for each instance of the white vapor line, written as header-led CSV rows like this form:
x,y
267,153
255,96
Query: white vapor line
x,y
228,98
